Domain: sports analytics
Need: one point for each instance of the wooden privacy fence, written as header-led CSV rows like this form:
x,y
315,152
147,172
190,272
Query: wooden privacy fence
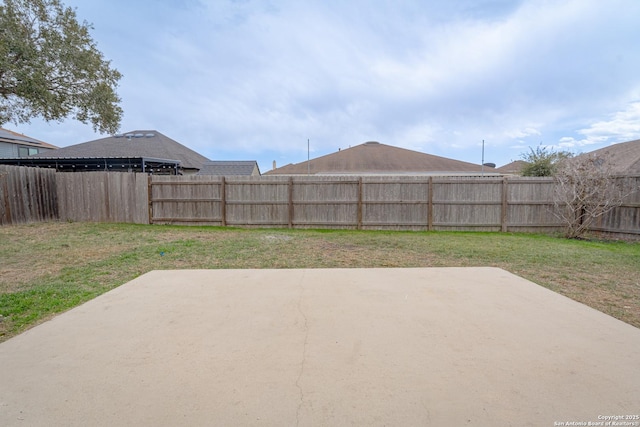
x,y
27,195
394,203
382,203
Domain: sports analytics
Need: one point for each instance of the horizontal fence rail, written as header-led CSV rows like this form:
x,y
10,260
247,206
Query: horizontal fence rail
x,y
507,204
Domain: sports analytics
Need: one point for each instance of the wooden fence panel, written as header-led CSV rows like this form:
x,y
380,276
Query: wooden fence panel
x,y
326,202
27,195
467,204
103,197
530,205
257,203
623,221
193,200
395,203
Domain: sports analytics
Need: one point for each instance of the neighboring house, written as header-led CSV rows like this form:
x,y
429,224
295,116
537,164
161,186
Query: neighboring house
x,y
138,151
624,156
13,144
230,168
374,158
513,168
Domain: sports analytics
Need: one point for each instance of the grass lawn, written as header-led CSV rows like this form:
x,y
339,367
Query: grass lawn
x,y
48,268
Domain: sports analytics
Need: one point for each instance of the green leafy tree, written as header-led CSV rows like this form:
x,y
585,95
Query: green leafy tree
x,y
50,67
542,162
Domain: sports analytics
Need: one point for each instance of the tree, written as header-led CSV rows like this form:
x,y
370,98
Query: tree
x,y
50,67
542,162
586,189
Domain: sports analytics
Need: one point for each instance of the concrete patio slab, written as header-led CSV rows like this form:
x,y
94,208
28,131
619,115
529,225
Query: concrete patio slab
x,y
319,347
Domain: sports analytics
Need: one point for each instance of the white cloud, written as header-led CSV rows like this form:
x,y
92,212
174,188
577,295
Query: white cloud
x,y
621,126
252,77
522,133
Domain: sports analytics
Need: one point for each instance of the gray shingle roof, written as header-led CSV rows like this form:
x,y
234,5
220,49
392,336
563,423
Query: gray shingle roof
x,y
138,143
230,168
373,157
625,156
514,167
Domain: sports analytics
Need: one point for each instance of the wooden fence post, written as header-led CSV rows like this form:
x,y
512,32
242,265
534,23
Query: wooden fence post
x,y
290,214
505,205
150,196
223,201
430,205
359,225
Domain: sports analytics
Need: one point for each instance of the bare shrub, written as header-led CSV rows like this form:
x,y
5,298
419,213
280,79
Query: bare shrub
x,y
586,189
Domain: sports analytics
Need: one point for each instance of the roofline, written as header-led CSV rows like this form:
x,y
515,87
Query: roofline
x,y
44,145
38,159
35,143
419,173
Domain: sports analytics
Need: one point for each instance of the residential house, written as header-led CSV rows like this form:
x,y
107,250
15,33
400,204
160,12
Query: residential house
x,y
374,158
230,168
624,156
13,144
137,151
513,168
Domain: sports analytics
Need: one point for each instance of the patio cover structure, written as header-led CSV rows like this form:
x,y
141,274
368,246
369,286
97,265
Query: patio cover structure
x,y
92,164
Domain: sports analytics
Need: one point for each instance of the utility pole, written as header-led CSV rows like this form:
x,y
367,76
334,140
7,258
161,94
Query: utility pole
x,y
308,159
483,157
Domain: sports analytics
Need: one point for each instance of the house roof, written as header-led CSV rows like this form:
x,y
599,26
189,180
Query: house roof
x,y
12,137
625,156
138,143
376,158
514,167
229,167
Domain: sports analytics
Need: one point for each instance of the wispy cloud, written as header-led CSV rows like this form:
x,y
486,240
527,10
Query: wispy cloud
x,y
621,126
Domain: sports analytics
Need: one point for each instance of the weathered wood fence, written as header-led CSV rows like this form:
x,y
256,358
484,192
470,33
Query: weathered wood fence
x,y
103,197
393,203
367,203
623,221
27,195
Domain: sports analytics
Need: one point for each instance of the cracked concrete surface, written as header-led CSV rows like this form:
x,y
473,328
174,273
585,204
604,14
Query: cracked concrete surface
x,y
304,349
430,346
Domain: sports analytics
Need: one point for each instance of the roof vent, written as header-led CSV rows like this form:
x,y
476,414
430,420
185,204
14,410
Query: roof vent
x,y
118,135
138,135
371,143
149,135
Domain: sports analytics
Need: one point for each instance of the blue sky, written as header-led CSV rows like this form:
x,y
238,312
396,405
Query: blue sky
x,y
253,80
